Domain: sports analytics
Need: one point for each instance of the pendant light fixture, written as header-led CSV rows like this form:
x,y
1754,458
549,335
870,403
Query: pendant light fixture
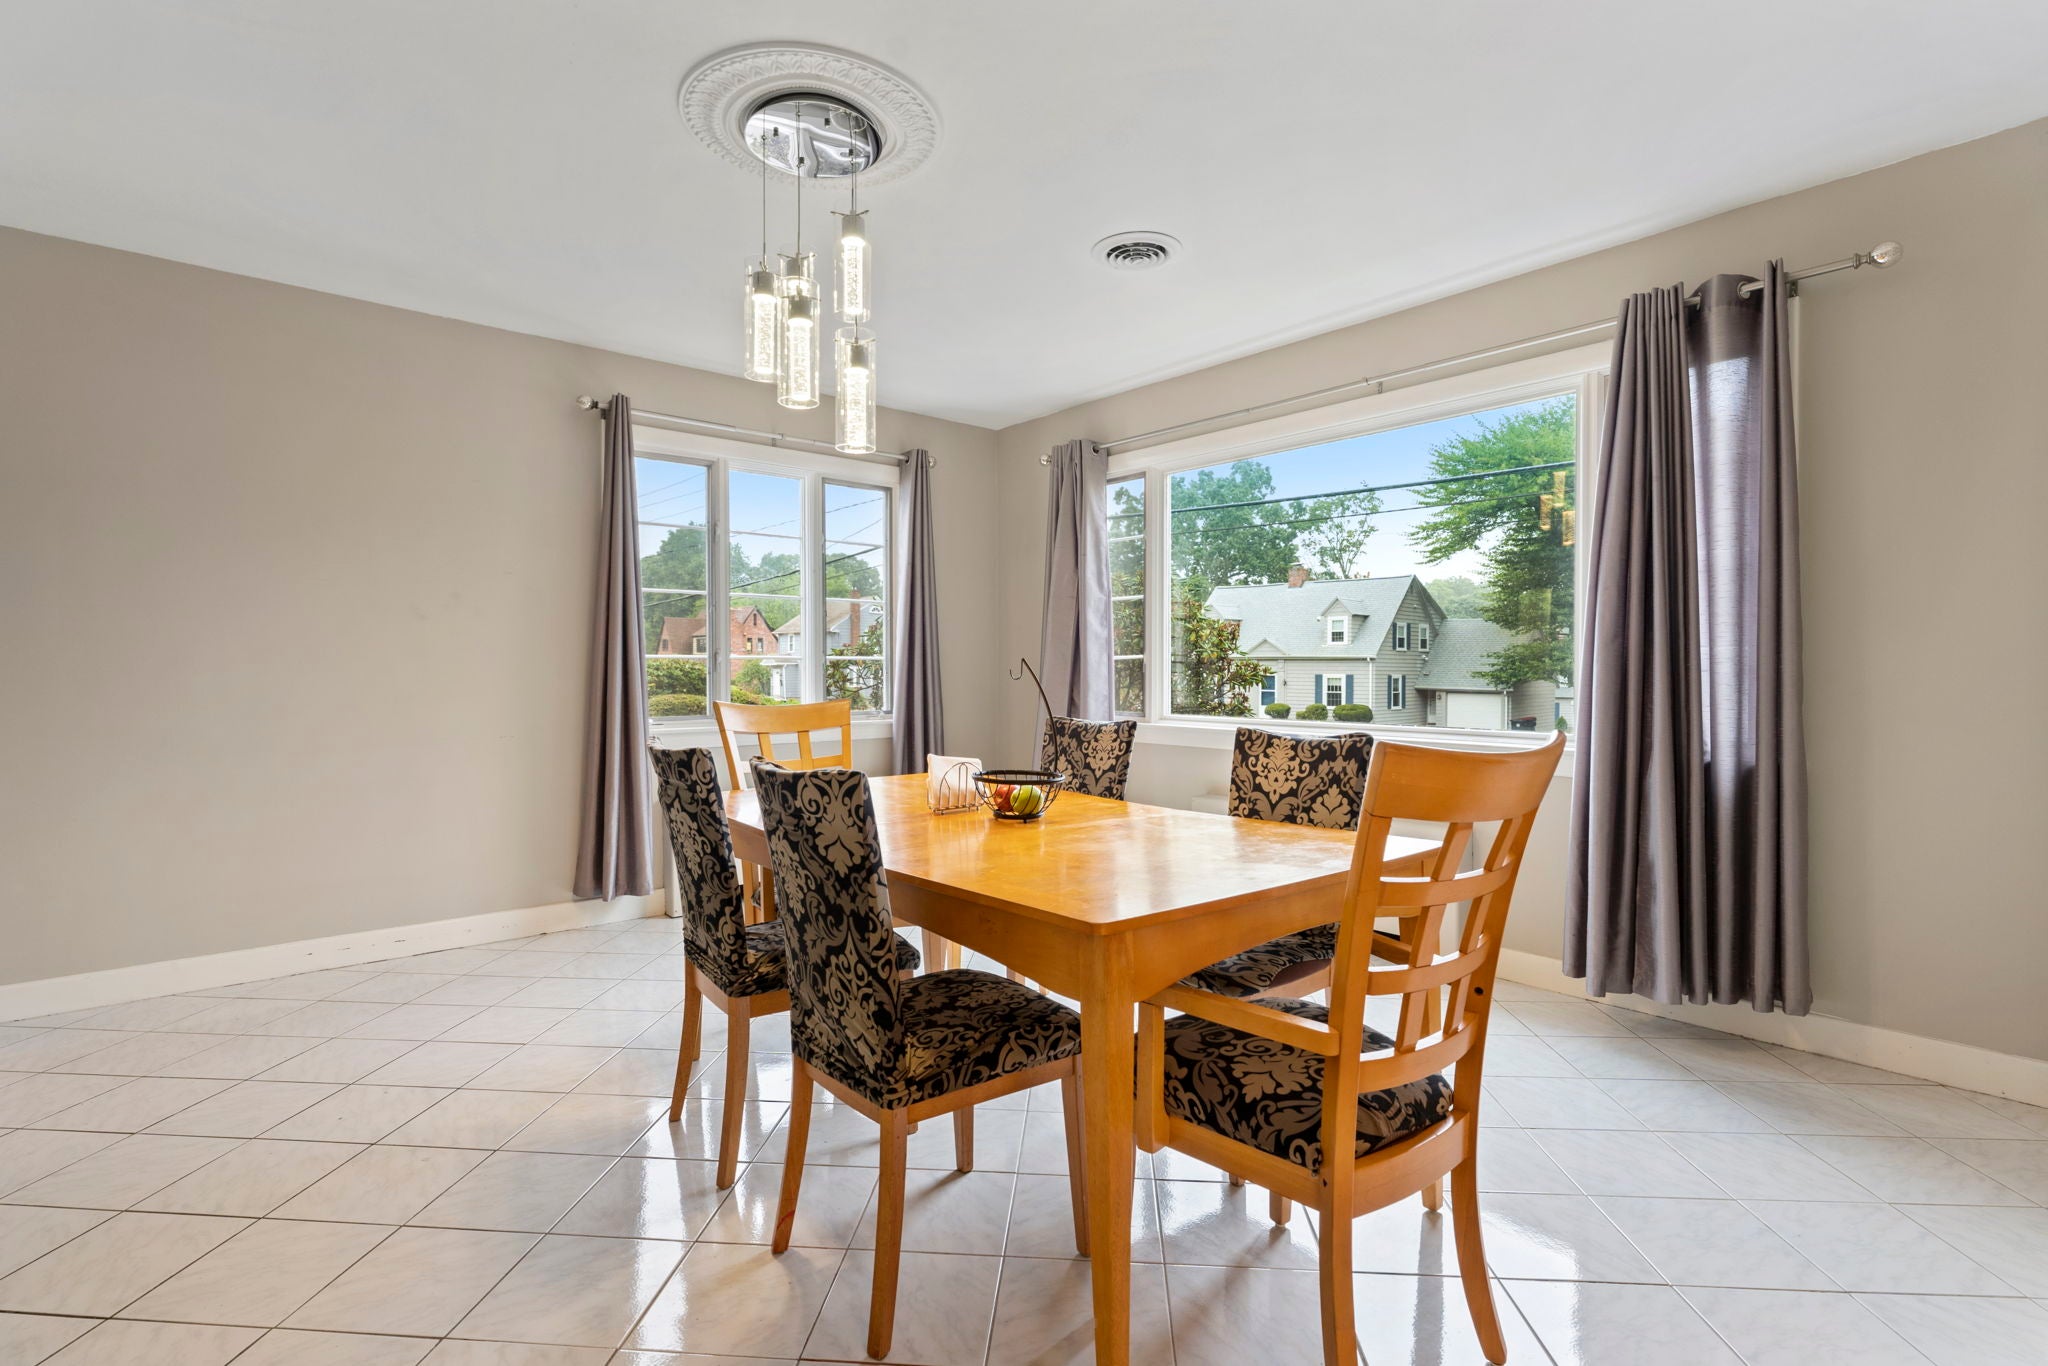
x,y
796,380
853,351
761,306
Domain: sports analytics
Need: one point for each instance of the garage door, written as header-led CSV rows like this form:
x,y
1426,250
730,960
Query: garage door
x,y
1474,711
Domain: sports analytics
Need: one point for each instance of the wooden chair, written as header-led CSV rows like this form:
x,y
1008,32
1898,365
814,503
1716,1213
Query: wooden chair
x,y
898,1051
796,723
742,968
1270,1091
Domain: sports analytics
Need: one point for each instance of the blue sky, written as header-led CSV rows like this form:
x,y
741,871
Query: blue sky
x,y
1389,457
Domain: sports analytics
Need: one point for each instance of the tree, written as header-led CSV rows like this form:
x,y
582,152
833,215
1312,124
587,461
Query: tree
x,y
857,679
1222,544
1211,676
1528,588
1335,545
667,575
1457,595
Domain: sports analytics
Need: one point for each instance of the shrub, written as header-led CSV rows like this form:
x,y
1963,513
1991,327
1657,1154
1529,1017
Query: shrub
x,y
675,675
1278,710
676,704
1315,711
1352,711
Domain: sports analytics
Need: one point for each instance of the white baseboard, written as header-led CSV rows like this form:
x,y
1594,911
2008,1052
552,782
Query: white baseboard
x,y
112,986
1952,1064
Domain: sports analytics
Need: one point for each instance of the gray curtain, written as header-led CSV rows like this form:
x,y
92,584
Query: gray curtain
x,y
614,856
1688,854
920,723
1074,644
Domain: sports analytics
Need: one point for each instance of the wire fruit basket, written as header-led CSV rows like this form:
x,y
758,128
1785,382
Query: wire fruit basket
x,y
1018,794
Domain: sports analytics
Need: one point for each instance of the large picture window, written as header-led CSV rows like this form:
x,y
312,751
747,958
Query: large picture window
x,y
760,584
1420,574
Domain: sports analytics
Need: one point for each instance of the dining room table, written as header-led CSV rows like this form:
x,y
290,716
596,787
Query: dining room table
x,y
1106,903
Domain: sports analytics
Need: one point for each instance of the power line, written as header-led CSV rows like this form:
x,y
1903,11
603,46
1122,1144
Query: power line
x,y
1371,488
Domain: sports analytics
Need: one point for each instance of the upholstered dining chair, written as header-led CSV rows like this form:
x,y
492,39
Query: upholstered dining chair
x,y
1310,1101
1095,755
897,1051
739,722
1303,780
740,967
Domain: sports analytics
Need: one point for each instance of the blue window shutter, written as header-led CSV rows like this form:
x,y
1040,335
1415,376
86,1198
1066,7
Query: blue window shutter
x,y
1319,688
1347,686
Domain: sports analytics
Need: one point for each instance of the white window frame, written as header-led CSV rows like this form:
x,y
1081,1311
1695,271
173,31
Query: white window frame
x,y
1333,690
721,458
1339,630
1581,371
1145,620
1401,635
1422,636
1397,692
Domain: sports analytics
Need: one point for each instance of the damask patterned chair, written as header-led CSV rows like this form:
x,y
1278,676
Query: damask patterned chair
x,y
897,1051
1303,780
741,967
1095,755
1270,1091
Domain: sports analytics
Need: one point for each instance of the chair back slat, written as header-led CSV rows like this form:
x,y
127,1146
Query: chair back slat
x,y
1095,755
762,724
1460,791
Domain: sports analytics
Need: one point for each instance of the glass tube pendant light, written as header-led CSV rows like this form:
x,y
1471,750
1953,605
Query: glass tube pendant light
x,y
762,303
796,376
854,360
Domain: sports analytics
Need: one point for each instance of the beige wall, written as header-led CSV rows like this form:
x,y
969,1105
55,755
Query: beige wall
x,y
1925,468
294,595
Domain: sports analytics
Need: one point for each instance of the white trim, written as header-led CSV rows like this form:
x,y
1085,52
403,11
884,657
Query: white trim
x,y
139,981
701,732
1961,1065
1188,733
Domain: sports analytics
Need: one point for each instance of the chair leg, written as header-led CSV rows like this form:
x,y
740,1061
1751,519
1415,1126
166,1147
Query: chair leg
x,y
963,1139
693,1029
1281,1208
1333,1267
1472,1259
1077,1169
738,1031
1236,1180
888,1235
793,1155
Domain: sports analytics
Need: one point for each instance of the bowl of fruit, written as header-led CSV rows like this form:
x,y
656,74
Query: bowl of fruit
x,y
1018,794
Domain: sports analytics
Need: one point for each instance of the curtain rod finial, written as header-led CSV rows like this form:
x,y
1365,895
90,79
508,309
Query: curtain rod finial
x,y
1885,254
585,401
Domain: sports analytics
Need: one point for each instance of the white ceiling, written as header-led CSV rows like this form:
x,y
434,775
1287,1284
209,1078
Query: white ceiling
x,y
521,163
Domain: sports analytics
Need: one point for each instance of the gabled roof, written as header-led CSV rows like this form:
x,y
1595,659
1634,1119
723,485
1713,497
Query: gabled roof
x,y
1292,620
837,610
1459,651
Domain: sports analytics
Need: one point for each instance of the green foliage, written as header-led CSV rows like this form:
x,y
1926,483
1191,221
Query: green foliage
x,y
1279,711
1211,676
1529,570
1457,595
753,677
673,579
676,676
1351,711
677,704
1221,545
859,680
1315,711
1563,725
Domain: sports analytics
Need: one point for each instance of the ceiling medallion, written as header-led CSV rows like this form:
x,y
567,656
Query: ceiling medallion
x,y
721,93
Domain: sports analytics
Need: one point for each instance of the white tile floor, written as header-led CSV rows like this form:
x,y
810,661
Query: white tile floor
x,y
462,1159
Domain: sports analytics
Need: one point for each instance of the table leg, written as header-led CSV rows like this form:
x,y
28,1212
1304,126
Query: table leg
x,y
1107,1076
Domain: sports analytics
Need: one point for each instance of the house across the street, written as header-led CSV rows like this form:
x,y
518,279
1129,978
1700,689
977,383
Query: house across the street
x,y
1381,642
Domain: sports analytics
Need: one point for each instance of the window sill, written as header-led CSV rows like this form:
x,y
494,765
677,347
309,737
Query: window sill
x,y
700,732
1188,733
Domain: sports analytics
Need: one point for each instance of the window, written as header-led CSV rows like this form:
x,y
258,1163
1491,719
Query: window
x,y
1127,593
1269,690
1446,529
733,551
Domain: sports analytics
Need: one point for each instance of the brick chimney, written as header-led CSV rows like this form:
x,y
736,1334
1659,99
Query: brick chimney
x,y
853,616
1297,575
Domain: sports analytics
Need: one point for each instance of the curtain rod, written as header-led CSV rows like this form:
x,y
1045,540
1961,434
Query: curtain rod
x,y
753,434
1881,255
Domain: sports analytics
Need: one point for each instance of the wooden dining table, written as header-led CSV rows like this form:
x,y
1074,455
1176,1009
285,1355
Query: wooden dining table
x,y
1107,903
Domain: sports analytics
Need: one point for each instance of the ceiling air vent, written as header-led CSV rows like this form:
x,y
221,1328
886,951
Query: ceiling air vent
x,y
1137,250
